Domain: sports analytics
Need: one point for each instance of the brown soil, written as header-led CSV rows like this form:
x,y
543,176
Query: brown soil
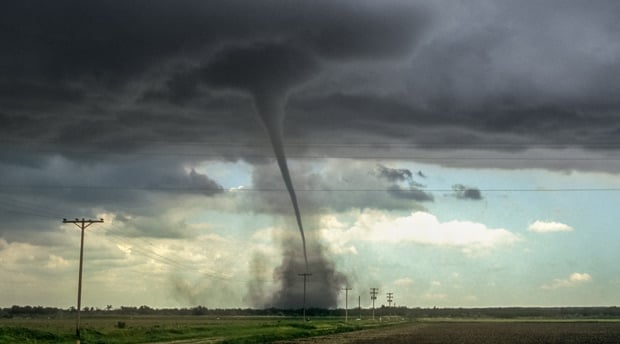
x,y
480,333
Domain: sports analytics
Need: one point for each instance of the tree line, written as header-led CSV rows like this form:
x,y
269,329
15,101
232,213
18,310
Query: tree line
x,y
495,312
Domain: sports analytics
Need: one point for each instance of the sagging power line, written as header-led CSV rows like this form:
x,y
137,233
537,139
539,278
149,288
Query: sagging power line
x,y
250,189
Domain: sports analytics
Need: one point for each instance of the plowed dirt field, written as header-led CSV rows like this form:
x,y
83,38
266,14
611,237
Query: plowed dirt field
x,y
480,333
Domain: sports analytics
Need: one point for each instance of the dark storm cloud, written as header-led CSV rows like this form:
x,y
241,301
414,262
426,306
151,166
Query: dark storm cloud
x,y
151,227
61,188
530,69
400,175
411,193
367,30
394,174
490,72
101,81
110,75
113,42
192,182
260,68
466,192
105,83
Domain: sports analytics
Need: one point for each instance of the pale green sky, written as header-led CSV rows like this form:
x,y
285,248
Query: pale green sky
x,y
455,252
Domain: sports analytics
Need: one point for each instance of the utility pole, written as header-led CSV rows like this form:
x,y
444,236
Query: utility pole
x,y
373,297
346,303
82,224
305,274
359,305
390,297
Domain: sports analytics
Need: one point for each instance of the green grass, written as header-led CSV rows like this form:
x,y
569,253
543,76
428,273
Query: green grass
x,y
145,329
257,329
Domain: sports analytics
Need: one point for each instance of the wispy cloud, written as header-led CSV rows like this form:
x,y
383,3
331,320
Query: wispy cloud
x,y
548,227
574,279
403,282
435,296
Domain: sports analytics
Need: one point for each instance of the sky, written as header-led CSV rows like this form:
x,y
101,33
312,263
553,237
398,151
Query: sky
x,y
453,153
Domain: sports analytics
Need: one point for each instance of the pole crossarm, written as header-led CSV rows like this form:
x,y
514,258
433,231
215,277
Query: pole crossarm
x,y
82,224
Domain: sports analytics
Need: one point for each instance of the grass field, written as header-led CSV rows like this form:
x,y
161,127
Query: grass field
x,y
210,329
150,329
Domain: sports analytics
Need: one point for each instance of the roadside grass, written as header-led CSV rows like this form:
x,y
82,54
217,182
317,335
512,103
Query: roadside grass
x,y
145,329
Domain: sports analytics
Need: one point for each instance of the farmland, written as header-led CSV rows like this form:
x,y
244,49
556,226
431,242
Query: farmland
x,y
284,329
463,331
147,329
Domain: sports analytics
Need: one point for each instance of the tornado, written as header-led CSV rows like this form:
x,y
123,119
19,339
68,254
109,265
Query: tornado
x,y
268,71
271,112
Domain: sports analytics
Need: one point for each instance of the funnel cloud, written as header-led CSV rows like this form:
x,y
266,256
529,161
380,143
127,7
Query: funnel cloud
x,y
267,71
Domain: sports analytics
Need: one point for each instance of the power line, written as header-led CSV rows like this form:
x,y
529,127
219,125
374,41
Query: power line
x,y
166,146
370,144
151,254
178,262
330,155
249,189
19,206
23,212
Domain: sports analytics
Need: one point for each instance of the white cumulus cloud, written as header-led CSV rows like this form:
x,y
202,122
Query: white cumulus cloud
x,y
418,228
547,227
574,279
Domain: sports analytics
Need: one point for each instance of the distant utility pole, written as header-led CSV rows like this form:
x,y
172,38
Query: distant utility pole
x,y
346,303
305,276
390,297
82,224
359,305
373,297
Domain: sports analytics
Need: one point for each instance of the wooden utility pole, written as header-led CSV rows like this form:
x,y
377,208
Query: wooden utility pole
x,y
373,297
82,224
305,276
346,303
390,298
359,305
